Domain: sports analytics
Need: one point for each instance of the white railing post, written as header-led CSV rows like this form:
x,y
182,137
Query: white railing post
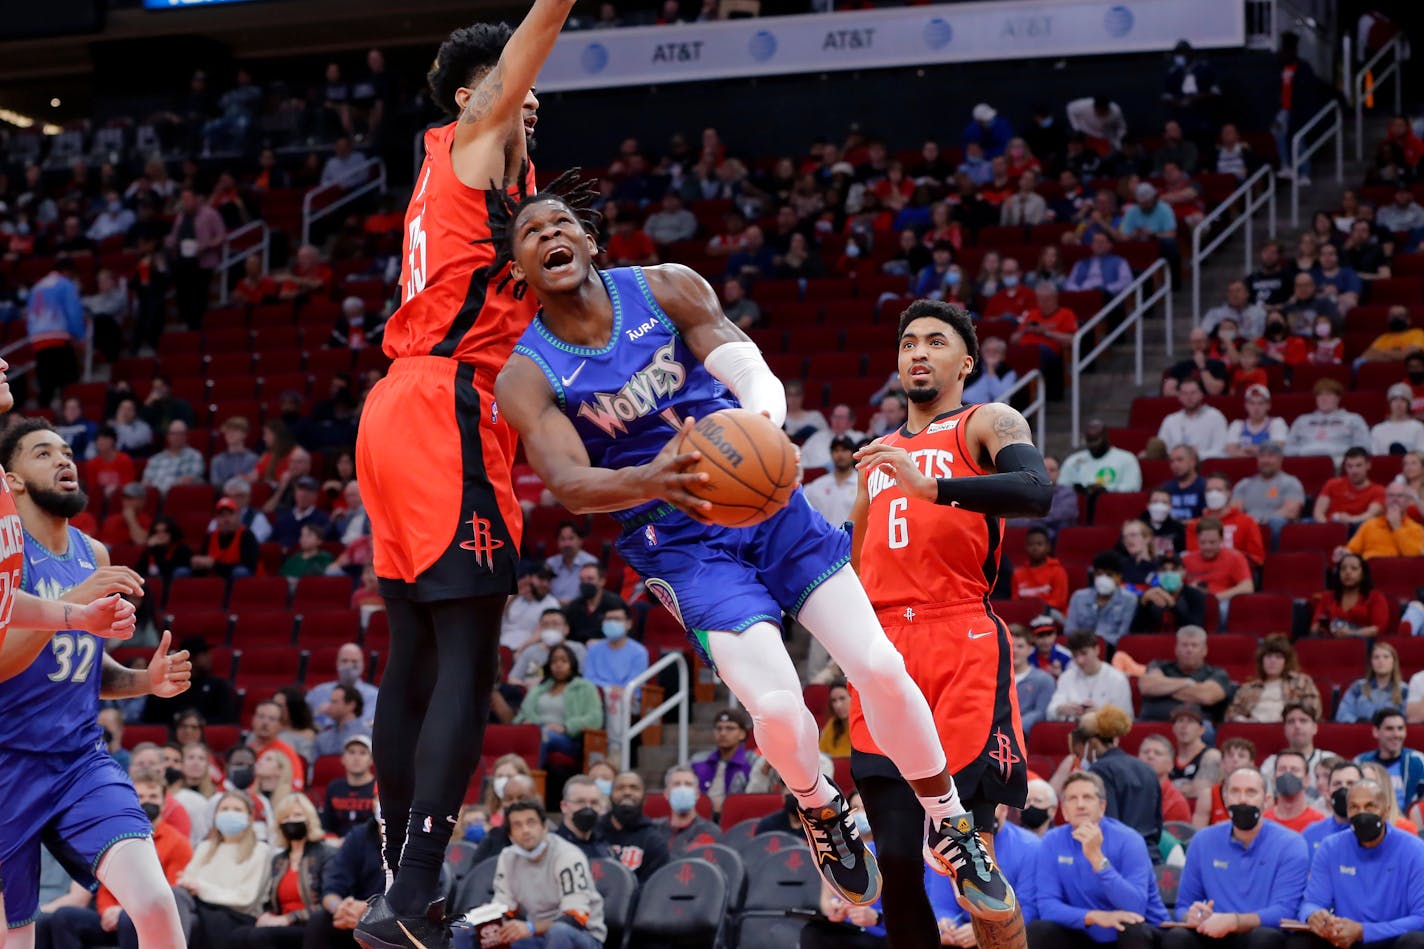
x,y
310,216
231,257
630,729
1336,128
1250,198
1036,408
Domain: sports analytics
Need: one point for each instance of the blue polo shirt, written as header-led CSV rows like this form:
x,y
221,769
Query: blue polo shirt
x,y
1381,887
1267,878
1016,852
1318,831
1068,888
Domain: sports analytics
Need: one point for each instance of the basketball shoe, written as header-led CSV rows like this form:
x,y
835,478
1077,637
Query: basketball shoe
x,y
840,854
380,928
955,849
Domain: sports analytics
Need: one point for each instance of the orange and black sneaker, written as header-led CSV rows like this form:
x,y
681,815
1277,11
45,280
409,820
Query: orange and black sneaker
x,y
955,849
380,928
841,856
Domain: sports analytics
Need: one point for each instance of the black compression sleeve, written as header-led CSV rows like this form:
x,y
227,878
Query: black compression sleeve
x,y
1020,489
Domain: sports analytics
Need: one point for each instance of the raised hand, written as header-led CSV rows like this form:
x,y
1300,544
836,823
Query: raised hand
x,y
109,617
169,674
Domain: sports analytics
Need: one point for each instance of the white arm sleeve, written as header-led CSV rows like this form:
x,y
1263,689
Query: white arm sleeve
x,y
740,367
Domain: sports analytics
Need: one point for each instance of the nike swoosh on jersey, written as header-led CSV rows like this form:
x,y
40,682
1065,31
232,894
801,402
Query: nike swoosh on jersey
x,y
974,635
569,379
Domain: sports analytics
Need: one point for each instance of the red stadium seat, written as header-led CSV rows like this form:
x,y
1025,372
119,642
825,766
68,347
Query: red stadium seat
x,y
259,594
215,626
329,627
1140,730
1397,576
1021,612
522,740
816,697
1149,647
1312,470
1260,614
200,593
1112,509
740,807
260,628
1347,740
1086,541
1297,573
1327,656
322,593
1050,738
1321,537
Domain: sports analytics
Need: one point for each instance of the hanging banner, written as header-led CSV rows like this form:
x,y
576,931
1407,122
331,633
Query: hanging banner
x,y
906,36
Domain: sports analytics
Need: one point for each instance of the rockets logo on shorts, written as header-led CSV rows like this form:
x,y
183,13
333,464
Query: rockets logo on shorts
x,y
1003,753
484,543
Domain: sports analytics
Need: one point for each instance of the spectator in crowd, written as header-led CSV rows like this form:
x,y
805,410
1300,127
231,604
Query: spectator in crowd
x,y
1195,424
1292,808
1050,326
1271,284
1098,117
1034,686
1203,363
1043,577
1383,907
726,768
615,659
355,868
1210,809
835,734
54,324
346,168
306,278
635,841
77,431
1399,340
1196,767
1350,498
1404,766
1098,466
569,562
1392,533
1062,508
1089,683
505,788
196,240
1362,252
222,887
1343,776
1241,878
1400,433
1259,427
1094,876
350,672
1241,533
754,259
1350,605
297,727
548,884
1279,684
579,813
110,469
684,828
1240,308
1300,724
308,559
1220,571
1103,270
1233,156
628,247
1015,298
303,510
350,800
1336,282
1188,678
346,710
1026,205
293,890
523,611
672,223
1328,348
1150,217
801,422
256,286
1168,533
563,705
586,612
816,451
230,550
1047,654
993,376
162,407
1106,608
1167,600
527,667
987,129
890,417
1155,751
239,491
131,523
177,463
833,493
1307,306
1187,489
737,306
1379,689
236,459
1183,198
263,737
1271,497
1402,216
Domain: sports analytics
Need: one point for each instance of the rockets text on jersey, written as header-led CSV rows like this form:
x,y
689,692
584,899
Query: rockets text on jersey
x,y
12,554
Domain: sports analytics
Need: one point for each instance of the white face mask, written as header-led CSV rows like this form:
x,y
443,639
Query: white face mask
x,y
1104,584
1158,510
499,784
551,637
1216,500
534,854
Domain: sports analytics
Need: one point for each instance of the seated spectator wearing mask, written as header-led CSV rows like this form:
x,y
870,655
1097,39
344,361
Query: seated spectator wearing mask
x,y
357,868
1366,886
1039,808
527,667
1241,878
1169,536
1343,776
579,816
1168,599
1292,809
1132,792
636,842
548,885
294,889
1094,876
1106,608
684,828
222,887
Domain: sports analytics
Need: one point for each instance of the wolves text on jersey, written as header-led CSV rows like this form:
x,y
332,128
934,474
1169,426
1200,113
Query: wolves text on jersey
x,y
933,462
661,377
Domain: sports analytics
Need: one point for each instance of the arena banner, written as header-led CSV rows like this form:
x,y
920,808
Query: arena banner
x,y
907,36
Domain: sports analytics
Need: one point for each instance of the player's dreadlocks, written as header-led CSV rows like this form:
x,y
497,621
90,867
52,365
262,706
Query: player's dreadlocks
x,y
575,193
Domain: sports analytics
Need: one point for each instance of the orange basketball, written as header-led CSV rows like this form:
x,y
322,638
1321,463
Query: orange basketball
x,y
751,464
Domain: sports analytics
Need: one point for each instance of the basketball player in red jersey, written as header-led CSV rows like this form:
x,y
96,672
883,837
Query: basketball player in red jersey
x,y
433,459
927,534
109,616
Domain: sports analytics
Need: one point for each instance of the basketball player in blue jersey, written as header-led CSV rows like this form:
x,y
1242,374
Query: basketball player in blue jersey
x,y
616,364
58,783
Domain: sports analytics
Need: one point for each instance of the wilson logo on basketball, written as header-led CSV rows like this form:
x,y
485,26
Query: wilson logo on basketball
x,y
483,544
712,430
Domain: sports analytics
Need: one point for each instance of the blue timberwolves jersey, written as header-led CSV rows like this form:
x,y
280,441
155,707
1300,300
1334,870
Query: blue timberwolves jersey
x,y
628,398
53,706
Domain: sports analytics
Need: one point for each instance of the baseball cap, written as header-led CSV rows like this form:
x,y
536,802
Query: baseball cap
x,y
308,483
357,740
735,715
1043,625
983,112
843,441
1258,390
1145,191
1187,710
1400,390
842,168
135,490
226,504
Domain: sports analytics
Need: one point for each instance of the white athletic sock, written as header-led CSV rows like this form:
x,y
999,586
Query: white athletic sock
x,y
941,806
819,795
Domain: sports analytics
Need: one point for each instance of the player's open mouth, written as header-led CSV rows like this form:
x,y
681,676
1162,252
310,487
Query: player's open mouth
x,y
67,481
920,371
529,122
558,259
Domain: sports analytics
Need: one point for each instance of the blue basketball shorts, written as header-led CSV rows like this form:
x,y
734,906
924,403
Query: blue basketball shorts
x,y
76,805
730,578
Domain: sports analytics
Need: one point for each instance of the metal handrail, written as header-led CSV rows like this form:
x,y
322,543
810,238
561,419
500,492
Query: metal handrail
x,y
310,217
1037,408
679,699
1133,319
1252,199
231,257
1337,131
1396,46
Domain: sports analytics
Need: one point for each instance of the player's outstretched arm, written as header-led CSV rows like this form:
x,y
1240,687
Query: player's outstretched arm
x,y
167,674
558,455
34,622
497,100
859,517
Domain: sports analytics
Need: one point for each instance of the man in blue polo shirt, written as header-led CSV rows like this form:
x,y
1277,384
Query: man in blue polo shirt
x,y
1095,880
1343,776
1242,877
1368,885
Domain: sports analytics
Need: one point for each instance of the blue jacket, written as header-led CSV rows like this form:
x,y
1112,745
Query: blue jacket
x,y
1411,766
1267,879
1111,621
1356,706
993,139
1068,888
1381,887
1111,273
54,310
1316,833
1016,851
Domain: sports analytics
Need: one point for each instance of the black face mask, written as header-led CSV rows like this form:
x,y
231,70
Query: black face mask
x,y
172,776
584,819
1276,331
1415,376
1288,785
1244,817
294,829
1337,802
588,590
1034,817
1367,827
151,810
628,812
241,776
1399,325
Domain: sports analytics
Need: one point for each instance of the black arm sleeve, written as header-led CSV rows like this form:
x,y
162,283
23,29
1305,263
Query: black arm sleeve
x,y
1020,489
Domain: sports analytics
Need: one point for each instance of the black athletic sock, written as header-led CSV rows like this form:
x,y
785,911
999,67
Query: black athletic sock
x,y
406,688
418,881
